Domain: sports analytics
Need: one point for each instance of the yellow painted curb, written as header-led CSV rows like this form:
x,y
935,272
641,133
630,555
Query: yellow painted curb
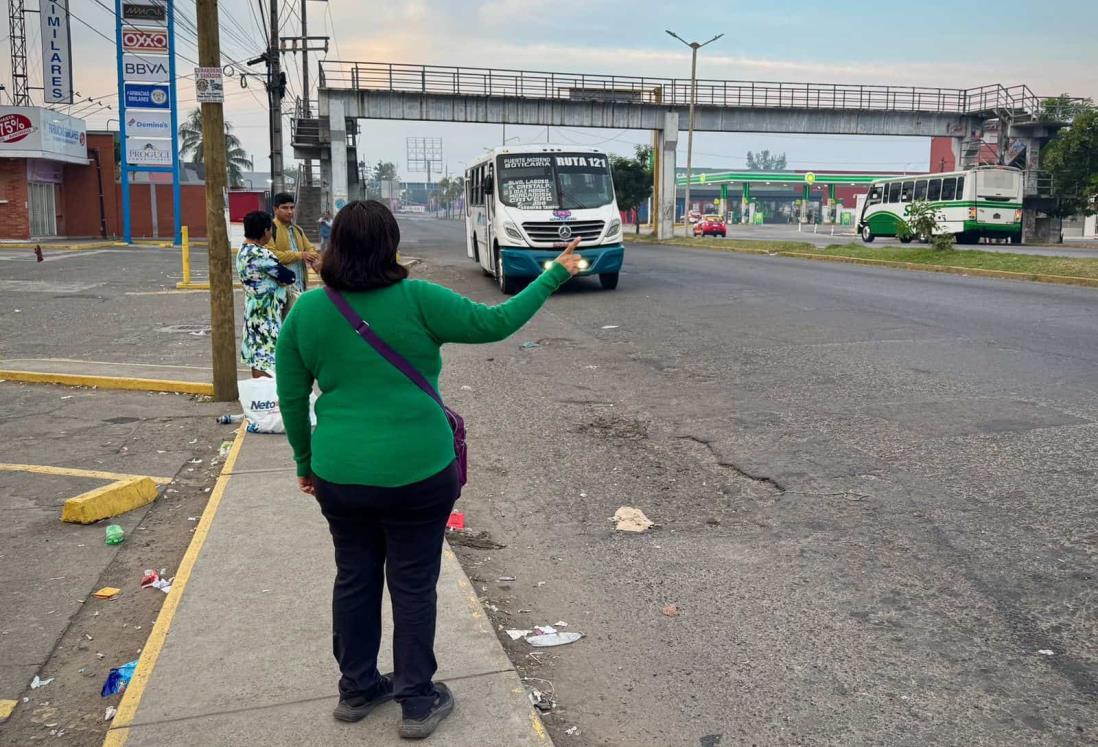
x,y
202,286
6,707
120,727
23,246
45,469
110,382
110,500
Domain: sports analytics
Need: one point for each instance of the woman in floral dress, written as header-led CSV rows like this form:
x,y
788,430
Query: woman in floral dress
x,y
265,282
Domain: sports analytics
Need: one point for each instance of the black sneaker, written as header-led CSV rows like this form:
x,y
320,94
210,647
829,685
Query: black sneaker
x,y
356,709
411,728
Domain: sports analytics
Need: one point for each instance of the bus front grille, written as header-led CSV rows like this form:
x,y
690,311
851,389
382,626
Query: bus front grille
x,y
586,230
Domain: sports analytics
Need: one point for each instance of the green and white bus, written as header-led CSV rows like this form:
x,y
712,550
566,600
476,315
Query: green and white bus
x,y
982,202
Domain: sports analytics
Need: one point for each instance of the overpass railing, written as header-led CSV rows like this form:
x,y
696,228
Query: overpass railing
x,y
579,87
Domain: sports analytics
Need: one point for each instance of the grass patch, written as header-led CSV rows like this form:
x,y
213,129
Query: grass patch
x,y
964,259
1029,264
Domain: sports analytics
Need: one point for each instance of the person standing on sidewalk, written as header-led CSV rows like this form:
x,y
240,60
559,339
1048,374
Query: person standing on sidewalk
x,y
290,245
381,461
264,280
324,226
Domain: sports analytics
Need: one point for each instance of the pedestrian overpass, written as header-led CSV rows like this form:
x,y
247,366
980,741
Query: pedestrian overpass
x,y
350,91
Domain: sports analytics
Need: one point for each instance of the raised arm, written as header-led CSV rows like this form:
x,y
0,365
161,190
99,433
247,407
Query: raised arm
x,y
451,317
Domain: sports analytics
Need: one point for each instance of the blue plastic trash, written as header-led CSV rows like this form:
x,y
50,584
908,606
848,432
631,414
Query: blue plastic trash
x,y
118,678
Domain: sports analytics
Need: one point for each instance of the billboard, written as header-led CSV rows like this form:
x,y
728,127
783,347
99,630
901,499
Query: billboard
x,y
142,151
144,96
148,123
145,68
145,40
56,52
34,132
145,12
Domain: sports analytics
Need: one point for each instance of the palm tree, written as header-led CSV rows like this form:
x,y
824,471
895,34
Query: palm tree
x,y
190,147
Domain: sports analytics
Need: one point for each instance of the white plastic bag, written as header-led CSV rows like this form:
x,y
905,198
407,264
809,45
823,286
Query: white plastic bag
x,y
259,398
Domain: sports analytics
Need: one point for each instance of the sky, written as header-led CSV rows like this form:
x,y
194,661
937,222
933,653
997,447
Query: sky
x,y
1048,46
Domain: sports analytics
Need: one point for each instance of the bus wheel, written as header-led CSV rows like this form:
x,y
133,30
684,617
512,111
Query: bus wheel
x,y
1016,238
867,234
509,286
608,280
906,239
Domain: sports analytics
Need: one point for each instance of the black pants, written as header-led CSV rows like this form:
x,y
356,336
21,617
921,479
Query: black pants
x,y
396,532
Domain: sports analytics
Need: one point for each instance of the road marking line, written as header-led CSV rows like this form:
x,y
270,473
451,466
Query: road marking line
x,y
119,730
108,501
110,382
45,469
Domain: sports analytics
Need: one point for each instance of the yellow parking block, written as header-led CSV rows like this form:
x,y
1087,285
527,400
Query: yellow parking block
x,y
109,500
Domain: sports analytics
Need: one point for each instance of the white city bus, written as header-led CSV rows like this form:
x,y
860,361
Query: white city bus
x,y
524,203
982,202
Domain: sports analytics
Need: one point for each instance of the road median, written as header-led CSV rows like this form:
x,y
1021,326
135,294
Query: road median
x,y
969,262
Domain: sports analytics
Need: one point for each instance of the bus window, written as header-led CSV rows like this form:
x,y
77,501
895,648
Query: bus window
x,y
920,190
949,188
934,190
905,193
894,192
874,194
960,188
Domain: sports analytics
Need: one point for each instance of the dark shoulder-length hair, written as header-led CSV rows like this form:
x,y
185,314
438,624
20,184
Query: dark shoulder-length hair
x,y
362,250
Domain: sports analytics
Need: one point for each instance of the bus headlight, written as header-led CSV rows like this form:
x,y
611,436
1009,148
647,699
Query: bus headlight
x,y
615,227
972,213
548,264
1018,216
583,264
512,231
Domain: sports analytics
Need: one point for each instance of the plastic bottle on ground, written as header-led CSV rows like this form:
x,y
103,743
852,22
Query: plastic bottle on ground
x,y
115,535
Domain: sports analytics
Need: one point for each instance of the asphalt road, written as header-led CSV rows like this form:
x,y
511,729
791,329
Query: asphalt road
x,y
875,493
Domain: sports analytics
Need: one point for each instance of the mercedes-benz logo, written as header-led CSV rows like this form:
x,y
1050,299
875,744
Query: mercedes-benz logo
x,y
564,232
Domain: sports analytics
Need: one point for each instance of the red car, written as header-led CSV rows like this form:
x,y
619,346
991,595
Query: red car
x,y
710,225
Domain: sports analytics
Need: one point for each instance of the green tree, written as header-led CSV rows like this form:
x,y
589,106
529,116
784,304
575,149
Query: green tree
x,y
449,190
385,171
921,220
632,179
764,161
191,147
1072,159
1064,108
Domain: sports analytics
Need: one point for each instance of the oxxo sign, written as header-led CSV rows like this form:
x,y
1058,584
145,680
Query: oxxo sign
x,y
145,40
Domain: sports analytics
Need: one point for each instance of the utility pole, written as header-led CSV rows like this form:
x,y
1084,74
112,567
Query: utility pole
x,y
308,166
223,328
694,47
276,89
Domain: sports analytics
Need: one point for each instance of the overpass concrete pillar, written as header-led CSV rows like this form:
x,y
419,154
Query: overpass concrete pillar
x,y
340,183
668,143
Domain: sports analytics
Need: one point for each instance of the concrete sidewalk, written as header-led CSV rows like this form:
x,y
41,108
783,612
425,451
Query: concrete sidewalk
x,y
247,658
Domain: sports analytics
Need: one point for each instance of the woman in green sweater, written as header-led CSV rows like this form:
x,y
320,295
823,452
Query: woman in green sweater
x,y
381,461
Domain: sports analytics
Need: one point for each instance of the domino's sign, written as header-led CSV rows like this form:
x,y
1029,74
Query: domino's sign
x,y
143,96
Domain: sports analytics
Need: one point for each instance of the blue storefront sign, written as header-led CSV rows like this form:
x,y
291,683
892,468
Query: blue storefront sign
x,y
148,96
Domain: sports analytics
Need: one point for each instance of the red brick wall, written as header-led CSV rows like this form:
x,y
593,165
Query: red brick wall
x,y
192,199
79,193
14,213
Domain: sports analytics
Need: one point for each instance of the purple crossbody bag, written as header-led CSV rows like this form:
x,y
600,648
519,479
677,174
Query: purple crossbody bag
x,y
362,327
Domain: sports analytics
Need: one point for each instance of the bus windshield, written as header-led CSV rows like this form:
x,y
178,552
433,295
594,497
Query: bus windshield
x,y
565,181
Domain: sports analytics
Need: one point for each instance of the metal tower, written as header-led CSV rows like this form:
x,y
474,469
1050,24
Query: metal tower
x,y
19,80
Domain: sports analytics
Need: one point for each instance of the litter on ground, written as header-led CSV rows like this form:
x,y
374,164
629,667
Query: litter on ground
x,y
553,639
118,678
1046,652
149,578
37,682
671,610
572,731
631,519
109,714
611,326
456,522
107,592
516,634
529,345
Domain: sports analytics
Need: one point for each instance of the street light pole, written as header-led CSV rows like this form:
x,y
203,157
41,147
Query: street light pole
x,y
694,47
